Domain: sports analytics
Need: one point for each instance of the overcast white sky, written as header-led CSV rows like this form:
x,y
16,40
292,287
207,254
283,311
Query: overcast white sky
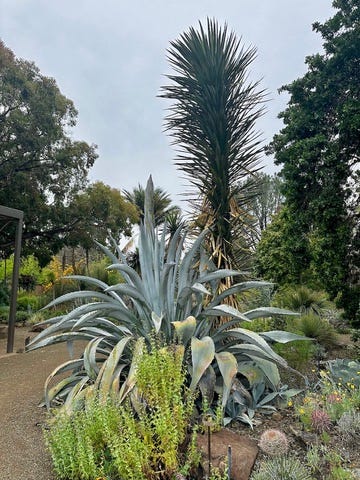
x,y
109,57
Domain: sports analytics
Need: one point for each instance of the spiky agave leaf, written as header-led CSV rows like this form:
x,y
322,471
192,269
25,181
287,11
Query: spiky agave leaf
x,y
173,297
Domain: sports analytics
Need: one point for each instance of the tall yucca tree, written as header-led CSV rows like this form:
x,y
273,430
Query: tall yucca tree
x,y
212,121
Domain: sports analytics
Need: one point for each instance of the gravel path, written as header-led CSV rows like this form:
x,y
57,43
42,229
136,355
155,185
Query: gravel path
x,y
22,451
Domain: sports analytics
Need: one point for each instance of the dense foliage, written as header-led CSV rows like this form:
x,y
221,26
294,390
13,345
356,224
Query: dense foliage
x,y
41,167
110,440
318,149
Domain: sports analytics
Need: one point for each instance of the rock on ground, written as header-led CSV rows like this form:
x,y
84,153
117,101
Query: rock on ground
x,y
243,452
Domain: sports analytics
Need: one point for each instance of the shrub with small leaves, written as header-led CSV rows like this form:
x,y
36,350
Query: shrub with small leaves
x,y
282,468
274,442
320,421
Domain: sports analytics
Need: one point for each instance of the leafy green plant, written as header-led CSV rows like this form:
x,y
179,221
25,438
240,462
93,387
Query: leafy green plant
x,y
297,353
22,317
100,271
4,294
4,313
332,399
321,458
28,301
171,298
144,438
76,442
282,468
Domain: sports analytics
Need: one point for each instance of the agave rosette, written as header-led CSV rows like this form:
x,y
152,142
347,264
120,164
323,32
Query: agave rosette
x,y
174,298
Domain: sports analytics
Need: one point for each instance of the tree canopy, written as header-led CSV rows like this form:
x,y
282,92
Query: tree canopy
x,y
318,150
41,166
101,211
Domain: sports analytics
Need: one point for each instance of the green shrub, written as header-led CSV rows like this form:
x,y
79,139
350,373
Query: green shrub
x,y
99,270
4,313
262,325
22,317
28,302
4,294
144,438
298,354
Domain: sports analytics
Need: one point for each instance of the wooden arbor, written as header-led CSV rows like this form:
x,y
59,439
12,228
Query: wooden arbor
x,y
8,215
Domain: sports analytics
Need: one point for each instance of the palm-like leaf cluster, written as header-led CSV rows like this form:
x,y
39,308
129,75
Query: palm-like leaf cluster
x,y
172,298
161,203
212,121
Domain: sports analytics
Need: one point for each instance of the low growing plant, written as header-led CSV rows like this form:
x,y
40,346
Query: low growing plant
x,y
348,427
148,436
274,442
318,328
345,372
331,398
282,468
302,299
327,463
298,353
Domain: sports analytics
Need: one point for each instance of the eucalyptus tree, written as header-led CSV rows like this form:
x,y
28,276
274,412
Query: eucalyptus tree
x,y
41,167
212,122
261,196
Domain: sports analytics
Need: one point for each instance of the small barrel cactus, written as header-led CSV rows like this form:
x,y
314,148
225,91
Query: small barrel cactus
x,y
320,421
274,442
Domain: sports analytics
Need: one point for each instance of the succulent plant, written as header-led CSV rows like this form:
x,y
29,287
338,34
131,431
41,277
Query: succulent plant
x,y
172,298
282,468
320,421
344,371
348,426
274,442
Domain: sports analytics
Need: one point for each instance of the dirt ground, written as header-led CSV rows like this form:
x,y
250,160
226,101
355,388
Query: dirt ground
x,y
22,451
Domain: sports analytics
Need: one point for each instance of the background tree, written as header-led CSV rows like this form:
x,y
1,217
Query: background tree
x,y
318,149
101,211
161,202
212,121
261,195
41,167
281,251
